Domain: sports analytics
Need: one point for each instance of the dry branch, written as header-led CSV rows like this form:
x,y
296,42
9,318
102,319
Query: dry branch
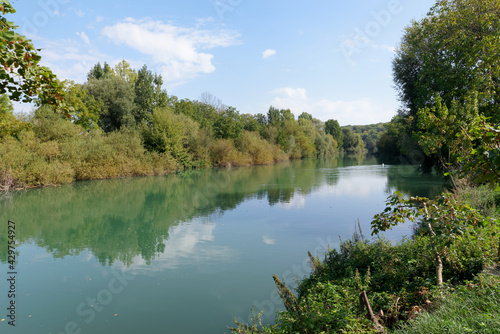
x,y
364,302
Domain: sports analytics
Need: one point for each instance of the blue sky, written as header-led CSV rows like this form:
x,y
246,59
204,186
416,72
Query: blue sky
x,y
329,58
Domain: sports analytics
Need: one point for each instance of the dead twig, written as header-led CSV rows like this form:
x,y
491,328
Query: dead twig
x,y
364,302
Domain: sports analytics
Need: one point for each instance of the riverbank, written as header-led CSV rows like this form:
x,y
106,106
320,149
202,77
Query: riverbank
x,y
54,151
369,286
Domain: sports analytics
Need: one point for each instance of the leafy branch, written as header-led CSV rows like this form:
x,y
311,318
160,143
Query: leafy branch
x,y
443,220
21,76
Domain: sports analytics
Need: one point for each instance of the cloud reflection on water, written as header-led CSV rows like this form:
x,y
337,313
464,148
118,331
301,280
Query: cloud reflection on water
x,y
187,245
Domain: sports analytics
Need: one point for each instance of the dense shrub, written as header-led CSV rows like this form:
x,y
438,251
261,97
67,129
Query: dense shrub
x,y
224,154
403,267
329,308
261,151
56,151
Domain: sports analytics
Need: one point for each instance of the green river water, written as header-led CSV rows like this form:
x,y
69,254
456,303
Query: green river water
x,y
184,253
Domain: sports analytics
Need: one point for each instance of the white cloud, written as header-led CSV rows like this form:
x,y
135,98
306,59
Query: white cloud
x,y
292,93
176,50
70,59
84,37
268,53
297,202
356,184
353,46
354,112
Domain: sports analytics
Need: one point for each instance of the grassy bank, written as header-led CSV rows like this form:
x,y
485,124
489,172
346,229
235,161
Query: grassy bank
x,y
399,282
469,308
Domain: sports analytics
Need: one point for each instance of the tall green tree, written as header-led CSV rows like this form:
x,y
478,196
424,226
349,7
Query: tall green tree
x,y
333,128
229,124
251,123
353,144
85,107
116,97
96,72
204,114
461,139
453,50
306,115
278,120
277,117
100,71
148,94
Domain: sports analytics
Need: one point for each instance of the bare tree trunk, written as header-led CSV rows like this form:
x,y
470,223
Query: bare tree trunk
x,y
439,270
439,261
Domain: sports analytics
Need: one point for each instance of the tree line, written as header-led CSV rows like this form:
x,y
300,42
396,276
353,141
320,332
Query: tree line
x,y
121,122
447,75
